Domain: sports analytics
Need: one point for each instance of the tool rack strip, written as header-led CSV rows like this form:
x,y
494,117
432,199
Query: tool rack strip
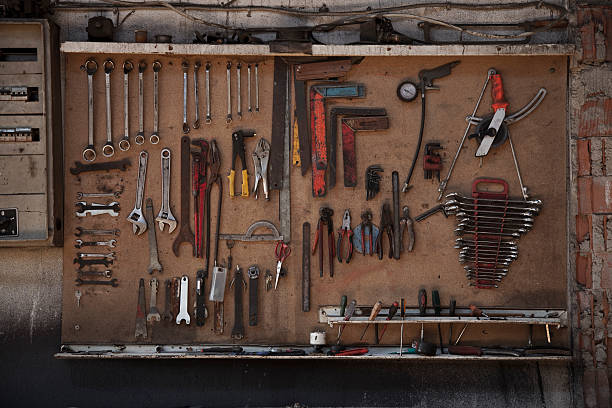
x,y
360,283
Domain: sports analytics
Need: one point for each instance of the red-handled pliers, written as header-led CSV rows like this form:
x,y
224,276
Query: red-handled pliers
x,y
345,230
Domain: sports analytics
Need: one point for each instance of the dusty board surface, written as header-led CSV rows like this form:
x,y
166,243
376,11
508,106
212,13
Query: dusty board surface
x,y
536,279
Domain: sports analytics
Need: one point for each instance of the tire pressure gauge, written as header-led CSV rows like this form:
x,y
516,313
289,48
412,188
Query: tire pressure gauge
x,y
407,91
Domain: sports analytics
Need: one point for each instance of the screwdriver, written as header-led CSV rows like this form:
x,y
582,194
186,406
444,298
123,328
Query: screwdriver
x,y
451,312
350,311
375,311
402,315
343,301
435,299
392,312
476,312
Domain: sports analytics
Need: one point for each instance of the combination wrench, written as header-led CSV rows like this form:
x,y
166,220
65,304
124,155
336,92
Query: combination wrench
x,y
196,69
154,264
249,107
80,243
228,118
140,139
153,312
256,87
238,81
183,313
139,223
81,231
207,83
86,255
165,215
81,282
92,272
89,153
124,144
80,195
154,138
93,209
185,66
108,150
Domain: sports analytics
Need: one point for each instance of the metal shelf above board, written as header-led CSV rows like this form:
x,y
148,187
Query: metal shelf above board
x,y
549,317
84,47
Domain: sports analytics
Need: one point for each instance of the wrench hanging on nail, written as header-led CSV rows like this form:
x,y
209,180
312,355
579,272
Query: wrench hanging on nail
x,y
139,223
124,144
154,264
238,81
196,68
185,66
89,153
250,108
228,118
256,87
207,80
139,139
165,216
154,139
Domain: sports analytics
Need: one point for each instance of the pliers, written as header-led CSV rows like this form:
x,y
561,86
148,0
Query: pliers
x,y
345,230
238,150
406,224
366,224
261,155
386,224
325,218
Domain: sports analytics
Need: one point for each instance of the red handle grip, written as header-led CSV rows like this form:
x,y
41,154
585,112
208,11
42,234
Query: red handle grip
x,y
497,93
465,350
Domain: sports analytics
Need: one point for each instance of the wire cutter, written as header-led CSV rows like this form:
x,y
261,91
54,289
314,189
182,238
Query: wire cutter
x,y
282,251
406,224
261,155
238,150
345,230
386,224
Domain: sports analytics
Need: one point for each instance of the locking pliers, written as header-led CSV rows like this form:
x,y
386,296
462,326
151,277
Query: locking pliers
x,y
261,155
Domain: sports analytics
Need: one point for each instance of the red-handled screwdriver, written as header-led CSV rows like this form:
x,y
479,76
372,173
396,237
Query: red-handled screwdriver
x,y
392,312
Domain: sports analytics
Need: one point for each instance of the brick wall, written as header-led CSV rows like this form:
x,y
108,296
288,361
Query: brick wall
x,y
591,133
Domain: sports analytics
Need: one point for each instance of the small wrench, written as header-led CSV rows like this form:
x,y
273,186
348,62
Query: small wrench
x,y
229,93
86,255
139,223
80,195
90,262
124,144
249,107
139,139
208,115
167,315
90,272
256,87
196,68
185,66
165,215
154,264
108,150
141,323
154,138
153,312
183,314
80,243
112,282
238,100
81,231
97,209
89,153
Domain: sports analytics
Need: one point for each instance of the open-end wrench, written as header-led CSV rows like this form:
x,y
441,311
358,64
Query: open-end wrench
x,y
167,315
185,66
154,264
93,209
165,215
207,83
92,272
140,139
528,203
185,233
80,195
91,262
89,255
460,231
120,165
124,144
196,96
256,87
89,153
81,282
81,231
249,107
490,206
238,96
108,150
153,312
183,313
154,138
139,223
228,118
141,323
80,243
462,215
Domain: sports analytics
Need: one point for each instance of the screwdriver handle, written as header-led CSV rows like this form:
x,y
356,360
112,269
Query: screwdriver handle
x,y
422,302
497,93
465,350
435,300
343,303
402,308
452,307
375,310
392,312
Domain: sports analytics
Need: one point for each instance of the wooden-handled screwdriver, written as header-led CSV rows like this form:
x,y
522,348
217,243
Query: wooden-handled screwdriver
x,y
375,311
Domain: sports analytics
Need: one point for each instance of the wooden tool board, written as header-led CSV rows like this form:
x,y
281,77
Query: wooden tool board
x,y
536,280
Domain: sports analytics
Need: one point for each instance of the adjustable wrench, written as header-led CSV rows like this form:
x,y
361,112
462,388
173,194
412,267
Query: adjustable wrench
x,y
141,323
196,68
183,314
165,215
139,223
185,66
238,100
228,118
108,150
154,138
80,243
124,144
153,312
89,153
208,116
154,264
139,139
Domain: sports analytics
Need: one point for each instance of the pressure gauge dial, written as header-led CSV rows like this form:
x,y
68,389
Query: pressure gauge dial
x,y
407,91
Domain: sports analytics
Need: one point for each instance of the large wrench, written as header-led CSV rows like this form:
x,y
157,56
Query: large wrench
x,y
196,68
89,153
228,118
185,234
249,107
153,312
185,66
139,139
208,115
108,150
154,264
124,144
183,314
154,138
165,215
238,100
139,223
